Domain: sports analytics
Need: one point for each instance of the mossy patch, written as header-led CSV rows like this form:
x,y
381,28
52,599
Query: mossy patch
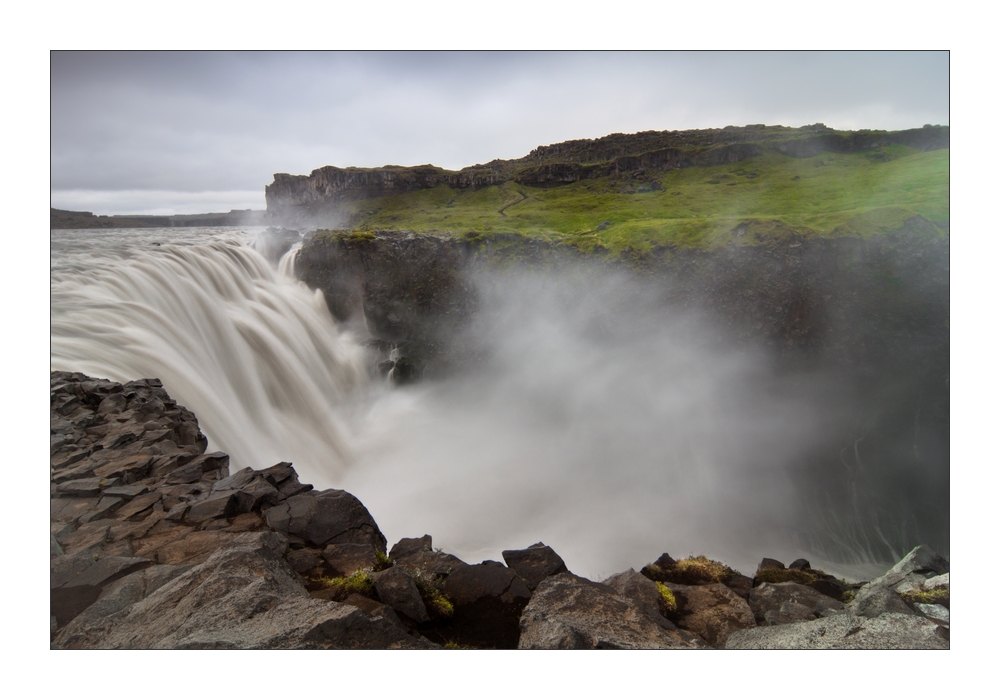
x,y
437,603
937,597
785,575
382,561
668,604
691,571
697,207
360,582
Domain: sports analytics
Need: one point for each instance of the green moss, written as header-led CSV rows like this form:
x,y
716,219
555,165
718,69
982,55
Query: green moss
x,y
452,645
382,561
668,604
937,597
786,575
701,569
360,582
848,596
361,235
436,602
699,207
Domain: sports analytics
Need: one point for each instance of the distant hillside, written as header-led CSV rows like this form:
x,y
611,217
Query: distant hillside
x,y
61,218
687,188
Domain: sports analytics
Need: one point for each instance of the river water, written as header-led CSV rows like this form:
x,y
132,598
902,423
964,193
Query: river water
x,y
595,423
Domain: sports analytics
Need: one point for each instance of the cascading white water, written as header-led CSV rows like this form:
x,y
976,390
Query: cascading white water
x,y
252,352
596,420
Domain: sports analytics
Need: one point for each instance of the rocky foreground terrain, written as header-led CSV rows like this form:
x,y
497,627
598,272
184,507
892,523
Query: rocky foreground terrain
x,y
155,544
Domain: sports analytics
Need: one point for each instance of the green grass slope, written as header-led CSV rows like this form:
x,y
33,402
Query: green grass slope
x,y
770,196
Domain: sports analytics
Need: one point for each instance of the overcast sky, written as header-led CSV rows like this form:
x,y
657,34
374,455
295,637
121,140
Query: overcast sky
x,y
197,132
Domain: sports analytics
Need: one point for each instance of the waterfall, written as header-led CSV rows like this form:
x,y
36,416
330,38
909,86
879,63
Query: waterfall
x,y
251,351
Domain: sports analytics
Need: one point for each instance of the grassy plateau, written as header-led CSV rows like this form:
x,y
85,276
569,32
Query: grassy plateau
x,y
773,195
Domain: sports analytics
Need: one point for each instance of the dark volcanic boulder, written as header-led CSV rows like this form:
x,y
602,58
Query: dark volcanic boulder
x,y
347,558
416,554
488,599
246,597
641,591
711,611
396,589
777,603
534,563
94,623
411,545
326,517
76,581
569,612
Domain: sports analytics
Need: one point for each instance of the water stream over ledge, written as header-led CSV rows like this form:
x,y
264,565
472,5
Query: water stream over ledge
x,y
597,424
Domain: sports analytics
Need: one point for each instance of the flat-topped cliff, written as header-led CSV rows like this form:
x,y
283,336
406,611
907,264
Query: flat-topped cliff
x,y
321,196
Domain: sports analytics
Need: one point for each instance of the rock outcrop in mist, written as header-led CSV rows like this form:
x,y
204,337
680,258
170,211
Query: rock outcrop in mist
x,y
157,545
868,316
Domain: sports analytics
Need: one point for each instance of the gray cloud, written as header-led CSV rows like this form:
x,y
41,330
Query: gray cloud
x,y
225,122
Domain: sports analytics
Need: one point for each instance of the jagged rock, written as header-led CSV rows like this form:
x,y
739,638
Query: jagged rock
x,y
373,607
569,612
882,595
799,565
766,564
177,512
345,559
187,474
488,600
303,560
183,546
225,504
138,505
711,611
938,583
247,481
246,597
210,462
326,517
656,570
934,611
534,563
920,560
104,507
888,631
128,491
779,600
85,537
97,619
76,581
874,600
396,589
642,591
433,563
84,487
740,585
411,545
284,478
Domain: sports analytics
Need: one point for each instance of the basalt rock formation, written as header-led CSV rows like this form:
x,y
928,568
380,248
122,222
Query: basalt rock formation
x,y
157,545
849,300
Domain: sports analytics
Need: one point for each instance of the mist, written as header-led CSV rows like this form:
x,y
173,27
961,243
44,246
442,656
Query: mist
x,y
601,421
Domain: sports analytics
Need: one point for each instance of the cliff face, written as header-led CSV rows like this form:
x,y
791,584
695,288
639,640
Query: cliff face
x,y
317,198
868,316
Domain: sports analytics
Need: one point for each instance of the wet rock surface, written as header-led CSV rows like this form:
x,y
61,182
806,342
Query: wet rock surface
x,y
157,545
